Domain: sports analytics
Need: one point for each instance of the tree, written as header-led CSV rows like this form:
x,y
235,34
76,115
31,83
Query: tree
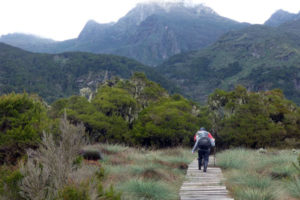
x,y
22,120
261,119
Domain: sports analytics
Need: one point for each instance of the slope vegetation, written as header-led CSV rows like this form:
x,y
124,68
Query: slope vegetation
x,y
54,76
258,57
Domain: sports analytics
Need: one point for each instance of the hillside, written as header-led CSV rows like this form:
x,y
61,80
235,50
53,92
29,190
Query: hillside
x,y
61,75
258,57
149,33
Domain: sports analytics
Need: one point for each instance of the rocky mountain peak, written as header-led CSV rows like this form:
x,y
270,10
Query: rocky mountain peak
x,y
93,27
144,10
280,17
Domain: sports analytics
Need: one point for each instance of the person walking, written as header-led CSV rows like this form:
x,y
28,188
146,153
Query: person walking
x,y
204,142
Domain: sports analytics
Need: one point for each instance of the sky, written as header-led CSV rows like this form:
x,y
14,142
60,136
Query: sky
x,y
64,19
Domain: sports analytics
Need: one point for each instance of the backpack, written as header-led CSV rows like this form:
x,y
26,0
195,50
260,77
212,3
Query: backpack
x,y
204,143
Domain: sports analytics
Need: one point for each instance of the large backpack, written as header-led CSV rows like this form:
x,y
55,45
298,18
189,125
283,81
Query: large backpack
x,y
204,143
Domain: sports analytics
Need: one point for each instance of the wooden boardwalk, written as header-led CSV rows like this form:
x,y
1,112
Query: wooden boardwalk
x,y
199,185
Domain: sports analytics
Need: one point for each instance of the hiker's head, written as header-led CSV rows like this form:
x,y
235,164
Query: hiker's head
x,y
202,129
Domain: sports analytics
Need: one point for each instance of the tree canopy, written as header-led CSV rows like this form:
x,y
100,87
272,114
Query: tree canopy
x,y
253,119
22,120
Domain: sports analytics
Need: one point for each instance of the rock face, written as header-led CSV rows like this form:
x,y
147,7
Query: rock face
x,y
149,33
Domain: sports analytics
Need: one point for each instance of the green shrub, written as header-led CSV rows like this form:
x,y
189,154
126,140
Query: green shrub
x,y
136,112
253,119
165,124
109,194
22,120
78,161
74,193
9,183
100,174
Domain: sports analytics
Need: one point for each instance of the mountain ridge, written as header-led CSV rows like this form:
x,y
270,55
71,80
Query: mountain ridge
x,y
54,76
280,17
258,57
149,33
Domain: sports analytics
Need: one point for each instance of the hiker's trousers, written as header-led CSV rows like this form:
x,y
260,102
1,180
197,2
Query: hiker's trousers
x,y
203,154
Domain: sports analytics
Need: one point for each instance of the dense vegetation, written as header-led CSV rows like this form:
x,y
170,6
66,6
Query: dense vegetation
x,y
258,57
22,120
63,75
249,119
135,111
56,171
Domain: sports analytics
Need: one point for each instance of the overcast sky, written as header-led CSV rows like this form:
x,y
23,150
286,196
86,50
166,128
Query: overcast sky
x,y
64,19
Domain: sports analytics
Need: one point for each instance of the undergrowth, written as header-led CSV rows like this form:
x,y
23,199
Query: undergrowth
x,y
144,174
255,175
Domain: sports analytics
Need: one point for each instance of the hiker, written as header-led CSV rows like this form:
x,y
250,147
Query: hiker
x,y
204,141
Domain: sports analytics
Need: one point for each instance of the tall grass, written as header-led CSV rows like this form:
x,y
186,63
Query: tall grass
x,y
251,175
141,189
254,194
294,188
145,174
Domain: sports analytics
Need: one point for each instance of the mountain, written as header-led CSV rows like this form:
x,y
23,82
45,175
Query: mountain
x,y
54,76
25,41
280,17
258,57
149,33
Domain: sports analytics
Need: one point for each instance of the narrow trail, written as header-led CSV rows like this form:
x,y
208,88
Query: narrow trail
x,y
199,185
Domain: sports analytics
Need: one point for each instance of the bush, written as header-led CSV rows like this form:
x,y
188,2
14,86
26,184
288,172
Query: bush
x,y
165,124
73,193
48,169
91,154
253,119
109,194
9,183
22,120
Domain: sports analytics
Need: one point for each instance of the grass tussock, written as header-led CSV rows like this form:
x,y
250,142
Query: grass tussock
x,y
252,175
148,189
145,174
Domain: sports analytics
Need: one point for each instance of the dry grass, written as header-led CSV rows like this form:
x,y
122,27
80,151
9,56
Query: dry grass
x,y
133,171
48,168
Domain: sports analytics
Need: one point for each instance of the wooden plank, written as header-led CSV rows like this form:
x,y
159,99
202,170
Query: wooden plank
x,y
201,185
